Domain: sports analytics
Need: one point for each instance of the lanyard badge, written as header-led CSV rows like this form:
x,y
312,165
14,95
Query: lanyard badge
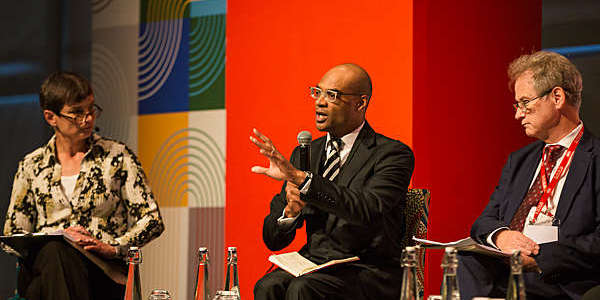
x,y
549,189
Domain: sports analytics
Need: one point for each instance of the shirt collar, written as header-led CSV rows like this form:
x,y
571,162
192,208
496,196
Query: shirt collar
x,y
50,149
568,139
349,139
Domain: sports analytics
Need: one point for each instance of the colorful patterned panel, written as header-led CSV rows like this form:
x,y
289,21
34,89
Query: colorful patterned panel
x,y
206,150
207,55
164,155
158,70
163,57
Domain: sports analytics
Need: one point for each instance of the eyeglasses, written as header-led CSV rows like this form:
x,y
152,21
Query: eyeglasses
x,y
80,118
522,105
330,95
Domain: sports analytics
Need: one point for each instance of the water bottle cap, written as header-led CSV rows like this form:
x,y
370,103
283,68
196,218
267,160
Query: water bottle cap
x,y
134,255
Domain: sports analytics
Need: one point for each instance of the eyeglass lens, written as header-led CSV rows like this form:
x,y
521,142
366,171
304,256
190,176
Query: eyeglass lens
x,y
316,93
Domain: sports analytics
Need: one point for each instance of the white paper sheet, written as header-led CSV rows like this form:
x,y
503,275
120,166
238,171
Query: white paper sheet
x,y
541,233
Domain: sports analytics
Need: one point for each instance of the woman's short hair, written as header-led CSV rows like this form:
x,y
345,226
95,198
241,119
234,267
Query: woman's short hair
x,y
61,88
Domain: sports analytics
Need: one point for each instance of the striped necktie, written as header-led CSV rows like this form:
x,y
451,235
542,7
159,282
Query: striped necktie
x,y
332,163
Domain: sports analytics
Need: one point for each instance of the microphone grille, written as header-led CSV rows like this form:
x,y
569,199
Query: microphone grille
x,y
304,137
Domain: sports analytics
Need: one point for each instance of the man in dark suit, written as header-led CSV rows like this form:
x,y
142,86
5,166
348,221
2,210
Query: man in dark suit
x,y
548,192
352,201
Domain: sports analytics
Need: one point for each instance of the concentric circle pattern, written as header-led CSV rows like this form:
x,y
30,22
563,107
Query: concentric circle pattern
x,y
207,52
99,5
189,167
159,44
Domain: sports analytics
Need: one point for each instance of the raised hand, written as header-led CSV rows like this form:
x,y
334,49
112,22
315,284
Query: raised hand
x,y
279,167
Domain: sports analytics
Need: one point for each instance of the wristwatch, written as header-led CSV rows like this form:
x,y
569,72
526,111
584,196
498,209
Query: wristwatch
x,y
308,177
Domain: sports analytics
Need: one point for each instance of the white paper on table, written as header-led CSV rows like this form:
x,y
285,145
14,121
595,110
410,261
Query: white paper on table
x,y
541,233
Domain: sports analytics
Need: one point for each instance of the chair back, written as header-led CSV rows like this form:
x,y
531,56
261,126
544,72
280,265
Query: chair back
x,y
417,214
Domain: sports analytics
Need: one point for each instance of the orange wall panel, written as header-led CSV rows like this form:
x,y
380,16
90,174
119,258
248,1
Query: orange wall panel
x,y
275,50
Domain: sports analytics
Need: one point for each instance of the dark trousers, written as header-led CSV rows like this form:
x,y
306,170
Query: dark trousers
x,y
346,281
58,271
485,276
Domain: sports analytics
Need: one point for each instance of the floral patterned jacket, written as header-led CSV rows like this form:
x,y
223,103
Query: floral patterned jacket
x,y
111,198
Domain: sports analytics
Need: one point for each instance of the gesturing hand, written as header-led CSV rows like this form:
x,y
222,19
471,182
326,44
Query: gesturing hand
x,y
294,204
279,167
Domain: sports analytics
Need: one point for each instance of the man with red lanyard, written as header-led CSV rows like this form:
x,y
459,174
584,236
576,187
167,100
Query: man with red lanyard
x,y
547,202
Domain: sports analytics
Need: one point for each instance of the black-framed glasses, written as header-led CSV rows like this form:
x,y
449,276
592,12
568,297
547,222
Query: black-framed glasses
x,y
80,118
329,94
522,105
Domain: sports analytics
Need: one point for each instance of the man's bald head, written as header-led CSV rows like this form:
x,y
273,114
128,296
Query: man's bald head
x,y
355,78
341,114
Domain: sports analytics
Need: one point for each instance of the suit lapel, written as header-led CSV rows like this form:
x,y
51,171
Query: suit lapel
x,y
577,170
356,159
522,180
358,156
316,153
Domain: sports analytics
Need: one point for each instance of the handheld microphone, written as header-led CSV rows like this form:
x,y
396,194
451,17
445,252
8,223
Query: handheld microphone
x,y
304,139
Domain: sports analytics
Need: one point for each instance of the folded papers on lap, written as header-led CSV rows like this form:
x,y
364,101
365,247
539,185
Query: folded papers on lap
x,y
466,244
298,265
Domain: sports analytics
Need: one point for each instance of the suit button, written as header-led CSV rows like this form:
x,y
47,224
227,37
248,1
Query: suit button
x,y
331,203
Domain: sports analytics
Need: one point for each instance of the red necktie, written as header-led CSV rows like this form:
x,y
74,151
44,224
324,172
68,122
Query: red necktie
x,y
534,194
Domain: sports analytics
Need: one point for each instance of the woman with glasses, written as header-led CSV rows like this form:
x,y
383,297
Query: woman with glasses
x,y
91,188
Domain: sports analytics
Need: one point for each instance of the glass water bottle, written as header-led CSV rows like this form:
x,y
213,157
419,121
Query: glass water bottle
x,y
202,292
450,289
232,271
516,285
133,289
410,286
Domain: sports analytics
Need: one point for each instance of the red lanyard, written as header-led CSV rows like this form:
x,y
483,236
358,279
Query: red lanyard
x,y
562,168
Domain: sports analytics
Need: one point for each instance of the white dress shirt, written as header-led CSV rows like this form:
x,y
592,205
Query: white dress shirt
x,y
68,185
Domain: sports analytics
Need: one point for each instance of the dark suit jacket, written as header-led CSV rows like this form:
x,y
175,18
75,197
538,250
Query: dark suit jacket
x,y
361,213
574,261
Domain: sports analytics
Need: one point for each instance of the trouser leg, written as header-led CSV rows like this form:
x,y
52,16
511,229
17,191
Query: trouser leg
x,y
339,282
486,276
103,287
272,286
56,271
481,276
59,271
320,286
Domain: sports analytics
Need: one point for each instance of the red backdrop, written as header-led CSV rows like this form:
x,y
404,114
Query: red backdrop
x,y
463,120
446,98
